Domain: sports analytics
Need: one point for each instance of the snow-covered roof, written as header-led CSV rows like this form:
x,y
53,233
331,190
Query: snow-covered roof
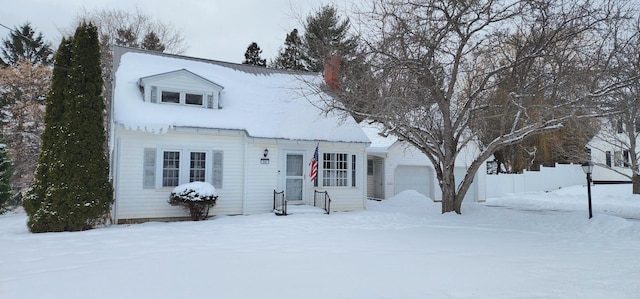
x,y
379,144
265,103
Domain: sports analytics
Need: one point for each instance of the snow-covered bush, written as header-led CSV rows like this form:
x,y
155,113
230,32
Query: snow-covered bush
x,y
195,197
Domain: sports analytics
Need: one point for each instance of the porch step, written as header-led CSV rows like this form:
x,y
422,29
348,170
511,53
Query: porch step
x,y
302,209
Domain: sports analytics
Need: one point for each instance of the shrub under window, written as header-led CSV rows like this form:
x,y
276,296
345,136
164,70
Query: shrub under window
x,y
195,197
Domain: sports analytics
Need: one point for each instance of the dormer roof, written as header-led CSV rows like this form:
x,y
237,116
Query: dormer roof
x,y
179,74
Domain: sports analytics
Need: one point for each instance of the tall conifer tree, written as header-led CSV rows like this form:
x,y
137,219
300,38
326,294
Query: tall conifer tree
x,y
326,34
252,55
6,171
36,202
71,185
24,44
290,57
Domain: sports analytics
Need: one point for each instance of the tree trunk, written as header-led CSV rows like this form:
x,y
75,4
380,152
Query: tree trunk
x,y
450,202
635,180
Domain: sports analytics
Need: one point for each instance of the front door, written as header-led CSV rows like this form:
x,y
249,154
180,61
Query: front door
x,y
294,177
378,172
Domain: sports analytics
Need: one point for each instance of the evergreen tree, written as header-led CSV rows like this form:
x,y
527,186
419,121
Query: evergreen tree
x,y
6,171
23,44
252,55
37,203
152,42
326,35
291,56
74,170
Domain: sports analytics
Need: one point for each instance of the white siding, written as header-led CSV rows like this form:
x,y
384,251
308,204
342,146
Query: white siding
x,y
598,156
132,201
371,186
248,183
262,179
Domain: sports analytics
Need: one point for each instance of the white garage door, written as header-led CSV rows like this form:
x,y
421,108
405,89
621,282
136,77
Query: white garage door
x,y
417,178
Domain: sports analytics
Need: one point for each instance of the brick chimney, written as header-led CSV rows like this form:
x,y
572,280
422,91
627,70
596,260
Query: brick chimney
x,y
331,72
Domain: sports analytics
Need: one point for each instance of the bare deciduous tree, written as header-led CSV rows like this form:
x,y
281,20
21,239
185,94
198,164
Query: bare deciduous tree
x,y
433,72
619,133
24,87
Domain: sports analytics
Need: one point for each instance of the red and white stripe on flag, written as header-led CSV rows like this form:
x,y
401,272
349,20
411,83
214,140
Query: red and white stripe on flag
x,y
314,165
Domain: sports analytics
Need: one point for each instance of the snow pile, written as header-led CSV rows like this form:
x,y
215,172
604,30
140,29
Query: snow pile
x,y
402,247
611,199
195,191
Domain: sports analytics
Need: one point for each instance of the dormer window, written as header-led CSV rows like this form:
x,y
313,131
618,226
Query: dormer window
x,y
182,98
181,88
170,97
193,99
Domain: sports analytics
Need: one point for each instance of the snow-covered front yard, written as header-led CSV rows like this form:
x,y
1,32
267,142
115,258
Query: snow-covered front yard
x,y
399,248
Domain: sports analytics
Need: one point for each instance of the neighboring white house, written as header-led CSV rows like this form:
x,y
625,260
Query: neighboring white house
x,y
394,166
610,152
246,130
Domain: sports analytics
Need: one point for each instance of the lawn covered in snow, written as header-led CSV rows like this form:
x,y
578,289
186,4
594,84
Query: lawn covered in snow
x,y
538,245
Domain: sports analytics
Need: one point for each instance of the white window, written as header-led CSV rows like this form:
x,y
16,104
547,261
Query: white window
x,y
170,169
353,170
621,158
180,97
198,167
193,99
181,166
170,97
338,171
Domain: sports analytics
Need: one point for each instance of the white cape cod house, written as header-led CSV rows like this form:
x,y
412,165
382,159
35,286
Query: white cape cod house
x,y
248,131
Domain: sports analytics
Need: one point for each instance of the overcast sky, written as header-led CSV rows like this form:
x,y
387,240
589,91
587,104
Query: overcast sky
x,y
219,29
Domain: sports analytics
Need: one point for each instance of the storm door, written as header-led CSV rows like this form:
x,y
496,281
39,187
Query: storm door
x,y
294,177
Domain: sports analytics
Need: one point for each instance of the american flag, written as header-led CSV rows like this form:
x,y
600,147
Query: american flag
x,y
314,165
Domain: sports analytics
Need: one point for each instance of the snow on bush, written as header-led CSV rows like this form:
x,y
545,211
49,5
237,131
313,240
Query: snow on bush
x,y
195,197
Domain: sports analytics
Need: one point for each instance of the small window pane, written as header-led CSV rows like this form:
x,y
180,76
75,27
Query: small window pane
x,y
353,170
170,97
198,167
193,99
170,169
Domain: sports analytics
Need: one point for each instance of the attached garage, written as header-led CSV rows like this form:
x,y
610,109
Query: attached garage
x,y
405,167
411,177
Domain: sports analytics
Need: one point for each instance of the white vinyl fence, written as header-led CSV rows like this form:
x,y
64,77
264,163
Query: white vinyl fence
x,y
547,179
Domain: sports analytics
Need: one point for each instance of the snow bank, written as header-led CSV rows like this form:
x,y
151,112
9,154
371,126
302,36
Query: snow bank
x,y
399,248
